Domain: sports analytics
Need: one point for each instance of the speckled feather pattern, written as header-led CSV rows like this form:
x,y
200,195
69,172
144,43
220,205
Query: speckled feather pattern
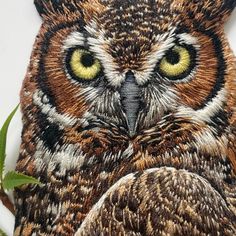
x,y
132,152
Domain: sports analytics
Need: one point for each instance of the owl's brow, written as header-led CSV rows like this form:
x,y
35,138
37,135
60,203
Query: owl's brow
x,y
76,38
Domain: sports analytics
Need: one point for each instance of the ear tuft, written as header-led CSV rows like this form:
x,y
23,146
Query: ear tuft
x,y
46,8
209,13
226,8
230,4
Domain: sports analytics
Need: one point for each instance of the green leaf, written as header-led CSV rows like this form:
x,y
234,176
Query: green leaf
x,y
3,140
2,233
14,179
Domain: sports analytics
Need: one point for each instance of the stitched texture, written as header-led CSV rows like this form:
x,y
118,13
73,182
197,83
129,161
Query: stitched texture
x,y
129,113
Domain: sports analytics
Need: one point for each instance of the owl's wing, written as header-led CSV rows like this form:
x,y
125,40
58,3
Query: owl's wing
x,y
162,201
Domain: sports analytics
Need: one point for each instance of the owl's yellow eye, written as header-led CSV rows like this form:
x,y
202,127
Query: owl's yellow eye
x,y
177,63
83,65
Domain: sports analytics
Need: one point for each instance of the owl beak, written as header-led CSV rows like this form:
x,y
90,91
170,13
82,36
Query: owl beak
x,y
130,94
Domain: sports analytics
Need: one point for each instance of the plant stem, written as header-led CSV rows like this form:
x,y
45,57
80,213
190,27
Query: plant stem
x,y
6,201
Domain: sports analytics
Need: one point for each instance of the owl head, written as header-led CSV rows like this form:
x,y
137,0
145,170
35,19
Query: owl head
x,y
154,73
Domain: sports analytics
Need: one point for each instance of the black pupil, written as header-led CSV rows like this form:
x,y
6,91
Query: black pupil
x,y
87,60
173,57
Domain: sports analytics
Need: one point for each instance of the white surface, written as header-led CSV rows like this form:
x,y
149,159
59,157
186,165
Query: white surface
x,y
19,24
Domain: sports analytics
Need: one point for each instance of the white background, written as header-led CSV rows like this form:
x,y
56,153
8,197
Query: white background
x,y
19,24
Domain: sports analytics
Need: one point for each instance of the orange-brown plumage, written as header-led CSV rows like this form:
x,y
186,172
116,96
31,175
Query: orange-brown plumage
x,y
133,150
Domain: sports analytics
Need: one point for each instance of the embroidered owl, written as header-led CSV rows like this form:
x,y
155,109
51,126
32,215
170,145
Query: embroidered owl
x,y
129,113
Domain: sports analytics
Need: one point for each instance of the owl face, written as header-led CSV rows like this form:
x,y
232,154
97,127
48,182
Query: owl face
x,y
134,69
